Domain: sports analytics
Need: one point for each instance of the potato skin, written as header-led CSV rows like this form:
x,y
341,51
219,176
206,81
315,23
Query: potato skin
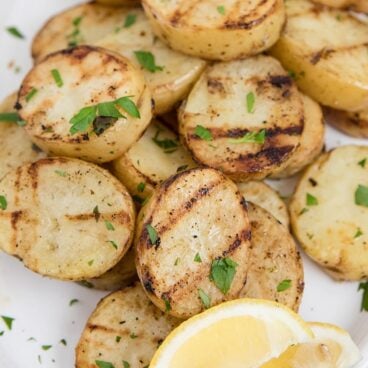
x,y
329,68
218,103
354,124
82,68
273,259
262,195
147,164
335,240
16,147
65,218
312,140
188,214
124,313
240,32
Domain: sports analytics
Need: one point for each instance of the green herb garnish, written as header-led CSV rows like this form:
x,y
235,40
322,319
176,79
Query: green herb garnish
x,y
11,117
46,347
57,77
152,233
3,203
103,364
130,20
198,258
75,37
63,341
140,187
358,233
31,94
222,273
362,163
117,338
203,133
361,196
251,99
73,301
109,226
283,285
168,145
205,299
167,304
61,173
364,286
133,335
251,137
147,61
221,9
113,244
14,31
8,321
311,200
126,364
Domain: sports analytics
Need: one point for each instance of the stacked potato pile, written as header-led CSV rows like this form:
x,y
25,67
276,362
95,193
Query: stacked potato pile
x,y
185,114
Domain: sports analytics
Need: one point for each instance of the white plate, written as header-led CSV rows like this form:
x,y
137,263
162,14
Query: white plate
x,y
40,306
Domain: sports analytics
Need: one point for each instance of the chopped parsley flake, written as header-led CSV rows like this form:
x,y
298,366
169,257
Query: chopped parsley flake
x,y
2,333
198,258
311,200
14,31
61,173
109,226
203,133
46,347
181,168
361,196
74,38
57,77
140,187
31,94
11,117
358,233
303,211
133,335
63,342
103,364
364,286
3,203
222,273
126,364
221,9
283,285
167,304
96,213
130,20
113,244
362,163
168,145
251,137
90,263
73,301
152,233
147,61
205,299
117,338
251,99
8,321
177,261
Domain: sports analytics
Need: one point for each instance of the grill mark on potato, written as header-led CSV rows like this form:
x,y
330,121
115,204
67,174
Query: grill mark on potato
x,y
243,24
122,217
177,214
280,81
244,236
118,332
214,85
217,133
17,185
178,16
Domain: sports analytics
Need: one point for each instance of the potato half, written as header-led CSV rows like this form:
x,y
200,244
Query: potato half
x,y
173,74
312,141
326,51
81,24
89,76
243,117
275,269
192,242
65,218
354,124
219,30
329,212
264,196
121,275
124,327
357,5
156,156
16,147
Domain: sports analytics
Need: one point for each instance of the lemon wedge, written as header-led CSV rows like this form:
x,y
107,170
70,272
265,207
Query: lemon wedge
x,y
238,334
332,347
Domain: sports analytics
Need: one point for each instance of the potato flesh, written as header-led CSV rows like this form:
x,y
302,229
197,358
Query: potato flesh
x,y
189,216
16,147
358,5
326,50
51,221
148,164
123,314
332,240
273,259
218,102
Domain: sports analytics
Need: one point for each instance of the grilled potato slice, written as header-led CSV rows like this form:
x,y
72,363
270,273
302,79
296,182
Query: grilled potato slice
x,y
218,30
81,24
326,50
275,269
334,191
90,76
16,147
151,160
194,229
121,275
125,326
65,218
312,142
357,5
174,73
243,117
354,124
266,197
